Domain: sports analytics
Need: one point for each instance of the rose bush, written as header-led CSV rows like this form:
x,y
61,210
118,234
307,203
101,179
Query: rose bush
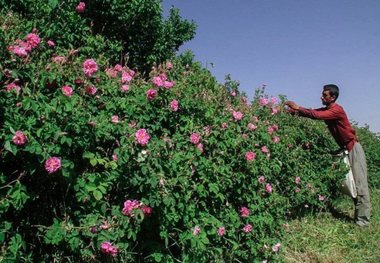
x,y
176,167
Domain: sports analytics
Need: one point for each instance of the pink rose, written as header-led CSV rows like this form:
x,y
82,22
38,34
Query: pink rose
x,y
80,7
67,91
261,179
124,88
250,156
273,100
18,51
169,65
58,59
115,119
297,180
268,188
130,206
91,90
224,125
200,147
276,247
52,164
114,157
237,115
107,248
126,77
147,210
89,67
263,101
50,43
321,197
274,111
247,228
33,40
196,230
244,212
195,138
251,127
168,84
221,231
174,105
13,86
276,139
19,138
151,94
297,190
142,137
158,81
264,149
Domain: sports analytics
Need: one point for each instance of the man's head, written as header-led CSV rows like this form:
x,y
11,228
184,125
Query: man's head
x,y
330,94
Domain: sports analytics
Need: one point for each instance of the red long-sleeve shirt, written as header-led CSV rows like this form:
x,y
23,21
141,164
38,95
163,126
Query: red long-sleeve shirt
x,y
337,122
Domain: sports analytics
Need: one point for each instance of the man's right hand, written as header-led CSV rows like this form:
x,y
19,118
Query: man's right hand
x,y
292,105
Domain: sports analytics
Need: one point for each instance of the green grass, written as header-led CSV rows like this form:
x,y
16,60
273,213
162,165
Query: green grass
x,y
331,236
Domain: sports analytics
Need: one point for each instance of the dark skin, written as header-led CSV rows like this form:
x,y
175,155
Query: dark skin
x,y
326,98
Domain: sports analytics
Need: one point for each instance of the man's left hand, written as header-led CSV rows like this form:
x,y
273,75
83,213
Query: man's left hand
x,y
292,105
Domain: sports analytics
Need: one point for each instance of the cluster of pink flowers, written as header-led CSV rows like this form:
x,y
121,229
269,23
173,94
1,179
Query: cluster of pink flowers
x,y
174,105
67,91
263,101
19,138
161,81
52,164
80,7
244,212
89,67
195,138
13,86
237,115
250,156
58,59
131,205
22,48
107,248
151,94
273,128
142,137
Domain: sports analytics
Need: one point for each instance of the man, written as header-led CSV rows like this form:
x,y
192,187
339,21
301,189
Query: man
x,y
343,133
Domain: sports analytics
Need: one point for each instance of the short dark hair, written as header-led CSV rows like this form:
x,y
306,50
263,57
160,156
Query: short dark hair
x,y
334,90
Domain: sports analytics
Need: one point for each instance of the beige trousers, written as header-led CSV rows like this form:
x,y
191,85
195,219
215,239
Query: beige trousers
x,y
359,170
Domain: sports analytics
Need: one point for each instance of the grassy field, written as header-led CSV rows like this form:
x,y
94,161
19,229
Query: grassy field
x,y
333,237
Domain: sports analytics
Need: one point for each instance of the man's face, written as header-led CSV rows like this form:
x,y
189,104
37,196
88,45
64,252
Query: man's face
x,y
326,98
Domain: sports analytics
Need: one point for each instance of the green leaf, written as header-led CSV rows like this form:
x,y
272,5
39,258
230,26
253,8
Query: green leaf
x,y
98,195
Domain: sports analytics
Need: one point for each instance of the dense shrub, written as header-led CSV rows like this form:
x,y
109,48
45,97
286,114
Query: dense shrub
x,y
134,27
100,164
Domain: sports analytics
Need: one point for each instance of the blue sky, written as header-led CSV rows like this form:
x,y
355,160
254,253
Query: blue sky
x,y
294,47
